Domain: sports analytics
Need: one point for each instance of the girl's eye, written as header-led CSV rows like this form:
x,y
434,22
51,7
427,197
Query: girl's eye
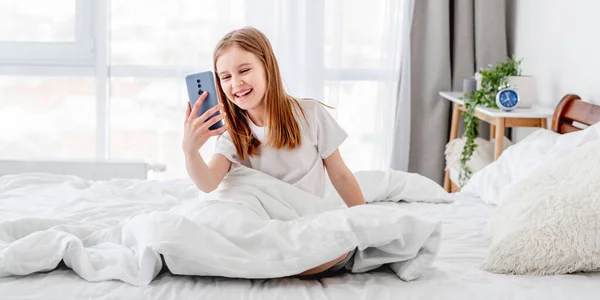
x,y
244,70
225,77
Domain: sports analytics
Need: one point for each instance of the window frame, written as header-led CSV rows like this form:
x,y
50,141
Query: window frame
x,y
80,52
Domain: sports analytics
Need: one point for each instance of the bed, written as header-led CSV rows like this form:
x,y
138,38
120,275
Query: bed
x,y
571,111
455,274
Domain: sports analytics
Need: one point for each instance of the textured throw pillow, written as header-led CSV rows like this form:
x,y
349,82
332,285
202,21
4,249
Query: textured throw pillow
x,y
518,161
549,223
482,156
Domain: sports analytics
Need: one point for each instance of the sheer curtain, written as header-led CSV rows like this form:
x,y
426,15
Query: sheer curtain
x,y
344,53
121,96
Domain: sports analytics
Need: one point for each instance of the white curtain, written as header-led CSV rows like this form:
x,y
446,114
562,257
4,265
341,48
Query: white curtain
x,y
399,156
346,53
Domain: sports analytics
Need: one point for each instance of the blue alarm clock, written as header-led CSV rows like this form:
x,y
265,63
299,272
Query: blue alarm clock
x,y
507,99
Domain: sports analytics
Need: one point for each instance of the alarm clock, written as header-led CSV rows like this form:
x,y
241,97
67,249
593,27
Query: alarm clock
x,y
507,99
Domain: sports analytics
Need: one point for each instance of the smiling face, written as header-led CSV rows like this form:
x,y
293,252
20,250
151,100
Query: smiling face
x,y
250,86
242,78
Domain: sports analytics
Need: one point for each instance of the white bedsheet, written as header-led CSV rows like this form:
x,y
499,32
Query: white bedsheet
x,y
455,275
254,226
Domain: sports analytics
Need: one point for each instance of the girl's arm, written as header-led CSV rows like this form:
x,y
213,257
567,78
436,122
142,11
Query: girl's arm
x,y
196,131
207,177
343,180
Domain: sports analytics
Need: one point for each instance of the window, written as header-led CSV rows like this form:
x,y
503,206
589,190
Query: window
x,y
146,122
366,122
117,68
35,33
48,117
350,43
170,33
32,21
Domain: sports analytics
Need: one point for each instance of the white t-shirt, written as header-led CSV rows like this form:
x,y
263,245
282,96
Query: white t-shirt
x,y
302,167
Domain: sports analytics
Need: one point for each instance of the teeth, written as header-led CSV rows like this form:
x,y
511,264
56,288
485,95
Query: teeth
x,y
244,93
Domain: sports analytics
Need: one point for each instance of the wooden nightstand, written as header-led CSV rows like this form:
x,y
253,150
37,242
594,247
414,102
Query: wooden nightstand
x,y
535,116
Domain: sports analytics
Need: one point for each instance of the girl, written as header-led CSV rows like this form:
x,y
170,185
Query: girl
x,y
294,140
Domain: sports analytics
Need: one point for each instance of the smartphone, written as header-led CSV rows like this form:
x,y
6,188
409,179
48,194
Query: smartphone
x,y
198,83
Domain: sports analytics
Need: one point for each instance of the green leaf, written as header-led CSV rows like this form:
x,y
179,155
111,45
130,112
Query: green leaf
x,y
492,79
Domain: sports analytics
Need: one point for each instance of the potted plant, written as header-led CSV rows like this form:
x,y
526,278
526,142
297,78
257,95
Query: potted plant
x,y
492,79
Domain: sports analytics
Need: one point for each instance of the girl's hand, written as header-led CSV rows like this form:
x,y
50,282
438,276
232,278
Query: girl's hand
x,y
196,128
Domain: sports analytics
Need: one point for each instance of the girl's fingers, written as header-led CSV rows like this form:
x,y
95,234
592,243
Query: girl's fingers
x,y
219,130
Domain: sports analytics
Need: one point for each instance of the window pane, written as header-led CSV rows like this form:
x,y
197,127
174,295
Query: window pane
x,y
147,122
37,21
355,33
47,117
362,109
181,32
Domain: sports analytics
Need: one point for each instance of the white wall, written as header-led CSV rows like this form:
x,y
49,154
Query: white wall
x,y
559,41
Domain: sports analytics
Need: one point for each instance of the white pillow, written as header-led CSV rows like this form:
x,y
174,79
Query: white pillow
x,y
549,222
519,160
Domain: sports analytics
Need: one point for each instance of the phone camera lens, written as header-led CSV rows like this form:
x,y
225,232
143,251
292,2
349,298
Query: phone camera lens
x,y
198,80
200,92
199,85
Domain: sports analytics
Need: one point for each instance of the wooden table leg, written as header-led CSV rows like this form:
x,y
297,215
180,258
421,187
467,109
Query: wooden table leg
x,y
492,131
499,137
544,123
455,119
453,135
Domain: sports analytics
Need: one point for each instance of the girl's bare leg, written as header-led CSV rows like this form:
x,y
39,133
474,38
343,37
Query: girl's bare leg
x,y
324,266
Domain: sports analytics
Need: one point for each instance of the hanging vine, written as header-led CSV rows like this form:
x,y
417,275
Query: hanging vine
x,y
493,79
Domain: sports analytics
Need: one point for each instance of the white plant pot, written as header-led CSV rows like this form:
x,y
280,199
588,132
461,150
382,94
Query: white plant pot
x,y
478,78
526,87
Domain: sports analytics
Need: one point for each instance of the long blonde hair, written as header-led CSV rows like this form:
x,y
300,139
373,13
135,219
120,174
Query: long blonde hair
x,y
284,129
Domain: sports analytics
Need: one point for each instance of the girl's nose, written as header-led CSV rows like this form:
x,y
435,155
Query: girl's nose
x,y
238,84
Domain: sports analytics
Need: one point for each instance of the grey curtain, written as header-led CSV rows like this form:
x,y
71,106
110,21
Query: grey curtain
x,y
450,40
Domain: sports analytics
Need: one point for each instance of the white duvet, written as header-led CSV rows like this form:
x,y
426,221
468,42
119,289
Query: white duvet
x,y
254,226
